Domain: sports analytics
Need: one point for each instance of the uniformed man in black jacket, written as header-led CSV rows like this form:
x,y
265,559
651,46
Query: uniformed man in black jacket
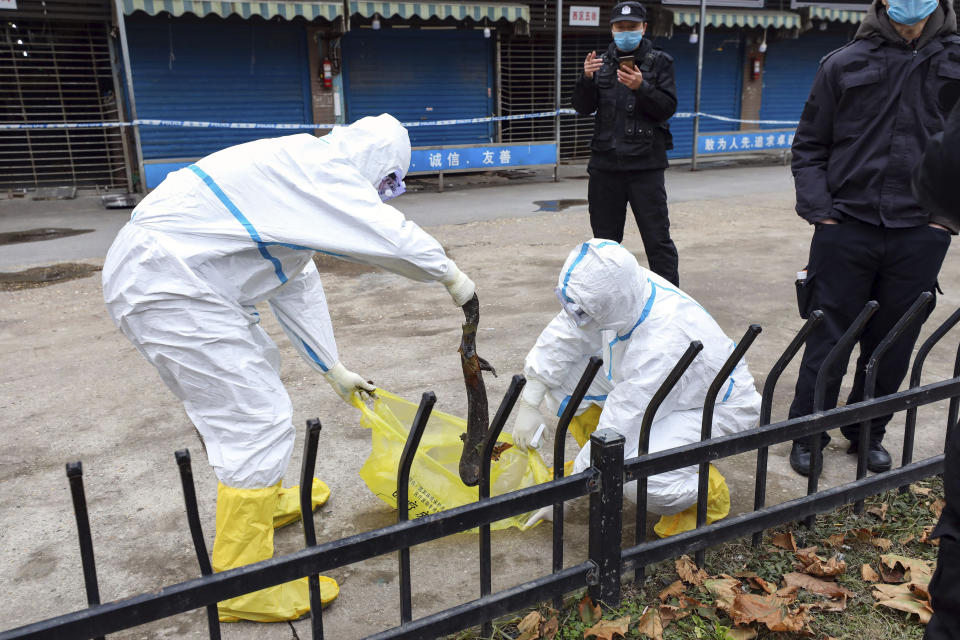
x,y
632,90
935,186
873,106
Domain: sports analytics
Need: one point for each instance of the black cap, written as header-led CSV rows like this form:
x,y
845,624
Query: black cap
x,y
631,11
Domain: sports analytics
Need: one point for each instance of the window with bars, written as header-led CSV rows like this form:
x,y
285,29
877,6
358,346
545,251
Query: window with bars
x,y
59,72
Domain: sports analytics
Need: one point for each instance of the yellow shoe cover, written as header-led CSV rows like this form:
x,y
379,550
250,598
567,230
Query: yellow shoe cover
x,y
288,504
718,507
584,424
245,535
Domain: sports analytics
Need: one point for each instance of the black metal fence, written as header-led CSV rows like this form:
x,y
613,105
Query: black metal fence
x,y
607,562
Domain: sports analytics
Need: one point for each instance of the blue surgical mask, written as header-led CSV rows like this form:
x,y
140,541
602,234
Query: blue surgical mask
x,y
630,40
911,11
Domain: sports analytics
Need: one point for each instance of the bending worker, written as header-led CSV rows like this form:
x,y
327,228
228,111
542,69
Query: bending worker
x,y
641,325
238,228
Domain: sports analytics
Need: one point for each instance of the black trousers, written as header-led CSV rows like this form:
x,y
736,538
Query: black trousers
x,y
850,264
945,585
608,194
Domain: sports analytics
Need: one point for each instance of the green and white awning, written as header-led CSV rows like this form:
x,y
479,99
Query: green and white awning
x,y
288,10
427,10
738,18
836,15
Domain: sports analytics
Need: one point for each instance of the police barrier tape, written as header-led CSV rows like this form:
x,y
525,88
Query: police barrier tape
x,y
311,126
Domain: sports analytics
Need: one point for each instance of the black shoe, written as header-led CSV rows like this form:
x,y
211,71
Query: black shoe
x,y
800,458
878,458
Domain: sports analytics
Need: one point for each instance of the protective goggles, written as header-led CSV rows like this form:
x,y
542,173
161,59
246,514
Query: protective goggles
x,y
391,186
578,315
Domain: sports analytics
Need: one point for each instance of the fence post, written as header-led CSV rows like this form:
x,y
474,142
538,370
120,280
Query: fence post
x,y
307,469
606,515
75,475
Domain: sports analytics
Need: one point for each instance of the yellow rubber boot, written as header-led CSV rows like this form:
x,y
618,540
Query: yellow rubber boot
x,y
288,502
244,536
718,507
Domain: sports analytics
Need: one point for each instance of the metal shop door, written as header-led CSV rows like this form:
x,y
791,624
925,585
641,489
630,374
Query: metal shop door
x,y
59,72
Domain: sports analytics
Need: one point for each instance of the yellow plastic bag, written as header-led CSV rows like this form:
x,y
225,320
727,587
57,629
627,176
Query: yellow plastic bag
x,y
434,477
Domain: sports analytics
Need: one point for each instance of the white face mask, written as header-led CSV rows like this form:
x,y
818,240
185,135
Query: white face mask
x,y
578,315
391,186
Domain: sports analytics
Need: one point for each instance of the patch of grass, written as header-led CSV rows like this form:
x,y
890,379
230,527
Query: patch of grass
x,y
907,514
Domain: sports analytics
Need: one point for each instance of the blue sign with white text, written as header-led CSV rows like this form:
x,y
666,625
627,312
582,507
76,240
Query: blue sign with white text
x,y
744,141
481,158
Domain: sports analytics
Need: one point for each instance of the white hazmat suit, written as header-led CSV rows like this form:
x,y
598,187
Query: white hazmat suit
x,y
241,227
640,324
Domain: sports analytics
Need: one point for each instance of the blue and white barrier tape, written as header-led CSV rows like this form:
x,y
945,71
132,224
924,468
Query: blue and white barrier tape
x,y
308,127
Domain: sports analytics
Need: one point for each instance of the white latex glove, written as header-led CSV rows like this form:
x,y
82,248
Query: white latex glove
x,y
459,286
529,417
543,514
345,382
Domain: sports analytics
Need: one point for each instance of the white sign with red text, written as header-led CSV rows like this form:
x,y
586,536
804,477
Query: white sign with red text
x,y
582,16
8,4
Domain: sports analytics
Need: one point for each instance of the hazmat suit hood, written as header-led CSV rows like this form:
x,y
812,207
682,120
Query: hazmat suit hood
x,y
376,146
605,281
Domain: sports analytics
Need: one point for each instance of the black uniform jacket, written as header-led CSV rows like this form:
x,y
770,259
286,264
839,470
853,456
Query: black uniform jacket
x,y
631,131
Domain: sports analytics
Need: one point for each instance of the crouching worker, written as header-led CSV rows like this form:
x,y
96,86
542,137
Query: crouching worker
x,y
238,228
641,325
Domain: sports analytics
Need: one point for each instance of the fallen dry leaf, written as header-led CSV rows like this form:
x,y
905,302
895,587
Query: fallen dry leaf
x,y
550,629
724,591
589,612
529,627
862,535
759,583
836,605
785,541
740,633
669,613
901,598
767,610
690,572
883,544
922,591
650,624
816,585
607,629
925,536
868,574
907,540
788,594
810,562
915,570
937,506
674,590
920,491
836,540
880,512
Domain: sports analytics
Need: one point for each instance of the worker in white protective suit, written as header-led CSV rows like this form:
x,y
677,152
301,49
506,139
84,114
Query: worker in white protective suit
x,y
238,228
641,325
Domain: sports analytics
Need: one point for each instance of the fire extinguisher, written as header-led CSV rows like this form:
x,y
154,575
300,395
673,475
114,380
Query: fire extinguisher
x,y
755,68
327,74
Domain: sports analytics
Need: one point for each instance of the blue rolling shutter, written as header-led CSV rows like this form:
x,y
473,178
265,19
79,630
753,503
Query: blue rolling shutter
x,y
416,74
216,70
722,83
789,69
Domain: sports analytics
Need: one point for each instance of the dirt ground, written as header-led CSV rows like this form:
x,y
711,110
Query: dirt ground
x,y
72,388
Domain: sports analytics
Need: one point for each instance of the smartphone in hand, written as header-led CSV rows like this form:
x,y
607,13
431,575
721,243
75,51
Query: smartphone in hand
x,y
627,62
